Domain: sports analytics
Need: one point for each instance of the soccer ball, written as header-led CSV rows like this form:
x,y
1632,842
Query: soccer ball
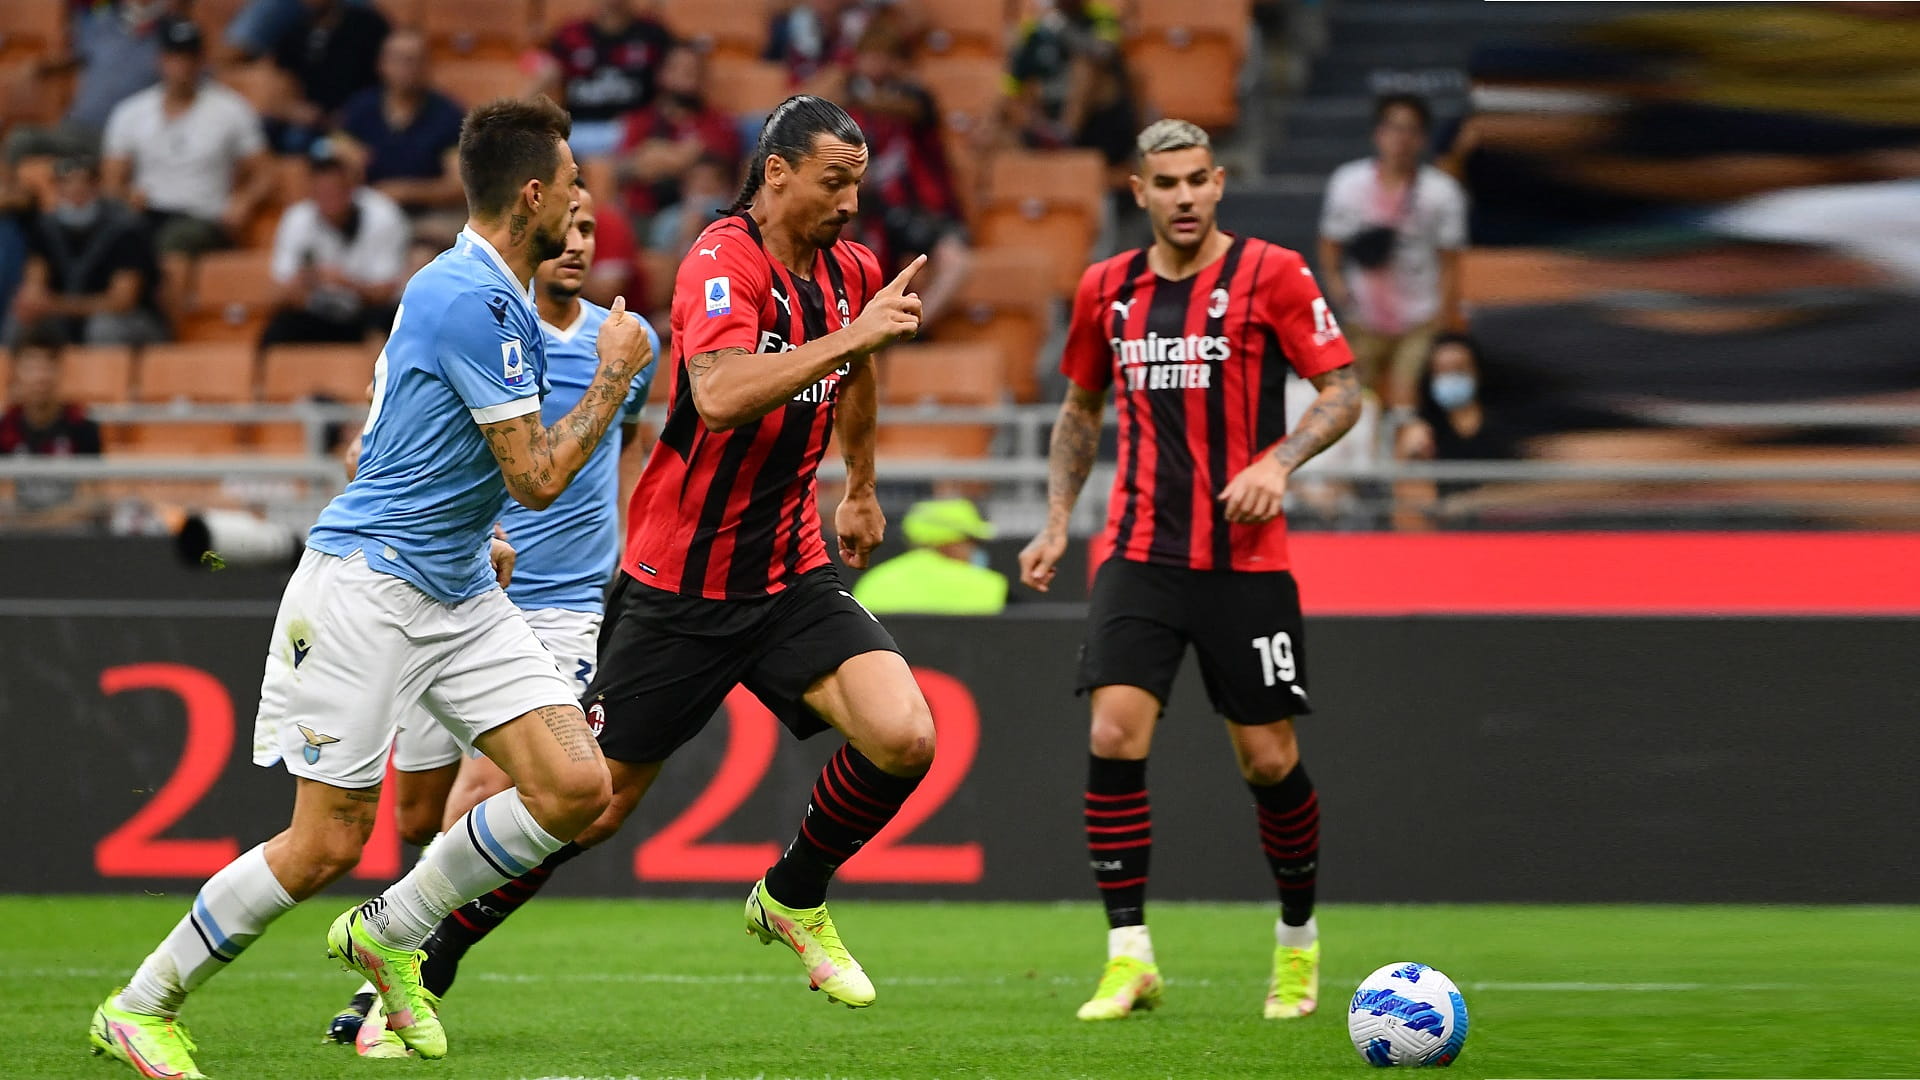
x,y
1408,1014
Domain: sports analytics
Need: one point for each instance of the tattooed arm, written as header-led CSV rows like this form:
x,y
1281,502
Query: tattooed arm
x,y
539,462
1259,492
859,521
1070,455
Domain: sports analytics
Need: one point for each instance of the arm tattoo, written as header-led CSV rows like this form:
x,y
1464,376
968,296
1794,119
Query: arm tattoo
x,y
1075,443
1328,418
569,729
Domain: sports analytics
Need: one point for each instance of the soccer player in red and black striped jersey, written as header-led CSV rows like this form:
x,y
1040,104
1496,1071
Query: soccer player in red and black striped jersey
x,y
726,580
1195,335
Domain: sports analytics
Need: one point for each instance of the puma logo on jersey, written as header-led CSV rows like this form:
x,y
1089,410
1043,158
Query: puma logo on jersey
x,y
1123,307
784,302
712,252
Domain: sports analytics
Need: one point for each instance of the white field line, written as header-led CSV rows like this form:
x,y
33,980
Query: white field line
x,y
640,978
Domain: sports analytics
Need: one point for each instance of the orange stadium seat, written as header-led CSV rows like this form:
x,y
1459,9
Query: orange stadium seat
x,y
1004,304
741,86
470,82
920,442
340,372
734,28
1494,276
287,439
214,372
478,28
968,89
941,374
186,437
32,29
1191,79
1181,20
964,27
96,374
1049,201
407,12
233,295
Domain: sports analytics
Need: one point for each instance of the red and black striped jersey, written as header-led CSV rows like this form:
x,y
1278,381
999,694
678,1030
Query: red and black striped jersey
x,y
734,514
1199,369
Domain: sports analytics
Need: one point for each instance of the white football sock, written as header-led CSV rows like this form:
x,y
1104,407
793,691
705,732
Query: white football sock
x,y
233,908
1296,937
492,844
1130,941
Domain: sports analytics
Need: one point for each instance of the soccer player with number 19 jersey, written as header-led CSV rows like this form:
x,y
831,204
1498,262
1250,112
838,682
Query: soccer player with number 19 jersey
x,y
1196,335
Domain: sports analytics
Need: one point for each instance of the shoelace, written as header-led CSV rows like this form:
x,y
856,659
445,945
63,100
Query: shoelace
x,y
179,1031
828,936
1118,976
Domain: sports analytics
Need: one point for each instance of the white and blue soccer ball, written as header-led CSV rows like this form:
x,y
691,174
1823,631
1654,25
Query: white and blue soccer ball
x,y
1408,1014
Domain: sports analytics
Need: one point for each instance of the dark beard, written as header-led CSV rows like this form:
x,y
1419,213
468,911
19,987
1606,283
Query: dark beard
x,y
549,246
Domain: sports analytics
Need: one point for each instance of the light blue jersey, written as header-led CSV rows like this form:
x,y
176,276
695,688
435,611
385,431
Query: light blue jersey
x,y
466,350
565,553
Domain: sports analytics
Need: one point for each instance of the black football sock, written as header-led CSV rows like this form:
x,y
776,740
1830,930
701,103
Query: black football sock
x,y
477,918
1119,837
853,800
1290,837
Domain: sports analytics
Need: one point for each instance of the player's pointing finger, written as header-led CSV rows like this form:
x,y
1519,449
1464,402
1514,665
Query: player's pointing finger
x,y
899,284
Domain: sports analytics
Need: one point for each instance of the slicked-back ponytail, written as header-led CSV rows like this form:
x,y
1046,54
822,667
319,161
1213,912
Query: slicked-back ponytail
x,y
790,132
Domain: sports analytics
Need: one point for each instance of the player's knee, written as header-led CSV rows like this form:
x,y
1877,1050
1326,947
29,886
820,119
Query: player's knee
x,y
584,791
905,744
1115,737
419,824
1270,765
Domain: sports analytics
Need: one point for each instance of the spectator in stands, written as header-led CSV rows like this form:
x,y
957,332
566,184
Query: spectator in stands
x,y
705,190
405,137
946,573
189,152
1071,82
1453,424
910,207
339,257
90,272
39,423
113,53
605,67
814,37
661,142
1391,231
260,23
329,55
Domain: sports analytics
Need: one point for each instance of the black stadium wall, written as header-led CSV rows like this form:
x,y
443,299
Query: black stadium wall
x,y
1526,745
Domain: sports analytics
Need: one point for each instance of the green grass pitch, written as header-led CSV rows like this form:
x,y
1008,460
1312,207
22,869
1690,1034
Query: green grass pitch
x,y
655,989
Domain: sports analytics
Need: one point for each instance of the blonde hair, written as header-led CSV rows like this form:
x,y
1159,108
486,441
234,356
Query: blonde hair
x,y
1164,135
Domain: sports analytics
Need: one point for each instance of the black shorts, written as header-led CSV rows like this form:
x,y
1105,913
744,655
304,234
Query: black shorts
x,y
1245,627
667,661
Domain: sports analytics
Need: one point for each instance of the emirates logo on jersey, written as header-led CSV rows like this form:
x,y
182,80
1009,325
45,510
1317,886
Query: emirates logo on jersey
x,y
1170,363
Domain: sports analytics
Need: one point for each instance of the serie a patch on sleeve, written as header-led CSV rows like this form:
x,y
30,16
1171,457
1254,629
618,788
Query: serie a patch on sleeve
x,y
719,293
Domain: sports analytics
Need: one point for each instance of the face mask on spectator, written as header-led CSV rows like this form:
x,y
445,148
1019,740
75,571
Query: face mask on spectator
x,y
1453,389
77,217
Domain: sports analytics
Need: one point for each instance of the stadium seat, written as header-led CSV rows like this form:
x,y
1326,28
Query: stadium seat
x,y
212,372
1185,20
185,437
404,12
470,82
340,372
233,295
968,89
499,29
1189,78
1049,201
743,87
285,439
941,374
29,95
1004,303
964,27
1493,276
922,442
96,374
31,29
737,28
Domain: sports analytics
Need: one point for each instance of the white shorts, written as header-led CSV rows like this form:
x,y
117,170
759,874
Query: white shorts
x,y
571,636
354,650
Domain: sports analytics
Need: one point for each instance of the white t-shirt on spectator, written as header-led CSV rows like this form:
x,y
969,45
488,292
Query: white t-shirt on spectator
x,y
1405,293
185,164
376,253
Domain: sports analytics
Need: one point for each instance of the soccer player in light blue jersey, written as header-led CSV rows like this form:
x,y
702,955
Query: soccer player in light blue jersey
x,y
396,602
564,556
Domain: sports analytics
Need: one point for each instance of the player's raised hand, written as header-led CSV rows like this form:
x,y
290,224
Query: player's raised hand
x,y
893,313
1039,558
623,341
1258,493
